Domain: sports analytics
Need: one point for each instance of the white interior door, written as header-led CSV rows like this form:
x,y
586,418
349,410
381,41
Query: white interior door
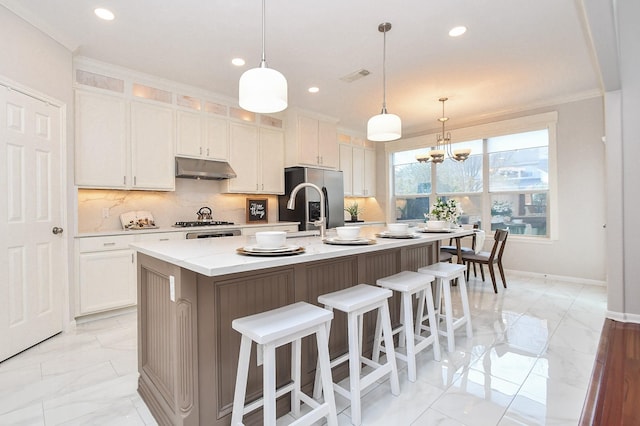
x,y
32,257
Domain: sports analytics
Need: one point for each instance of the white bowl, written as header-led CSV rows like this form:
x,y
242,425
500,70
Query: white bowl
x,y
398,228
271,239
436,224
348,232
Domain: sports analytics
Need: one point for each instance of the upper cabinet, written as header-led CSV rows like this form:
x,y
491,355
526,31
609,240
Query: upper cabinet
x,y
102,143
123,144
257,157
152,163
311,140
358,165
200,135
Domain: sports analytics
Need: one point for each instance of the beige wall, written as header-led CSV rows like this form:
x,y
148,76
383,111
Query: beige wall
x,y
579,250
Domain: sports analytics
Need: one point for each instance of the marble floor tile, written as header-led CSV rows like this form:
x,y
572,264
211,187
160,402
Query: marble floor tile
x,y
528,363
577,338
433,417
547,402
477,398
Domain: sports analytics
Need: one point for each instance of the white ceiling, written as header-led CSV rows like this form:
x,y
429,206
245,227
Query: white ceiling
x,y
516,54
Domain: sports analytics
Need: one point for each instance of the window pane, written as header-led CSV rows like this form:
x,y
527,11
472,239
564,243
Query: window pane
x,y
409,176
535,139
454,177
519,161
412,208
522,213
471,206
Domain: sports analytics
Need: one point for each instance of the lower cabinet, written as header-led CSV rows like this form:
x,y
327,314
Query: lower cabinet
x,y
106,271
107,280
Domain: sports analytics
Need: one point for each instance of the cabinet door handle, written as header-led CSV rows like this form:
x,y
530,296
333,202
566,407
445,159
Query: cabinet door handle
x,y
132,260
207,152
124,180
200,150
135,180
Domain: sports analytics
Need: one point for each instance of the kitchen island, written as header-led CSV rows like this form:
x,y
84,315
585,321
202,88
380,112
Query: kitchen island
x,y
189,292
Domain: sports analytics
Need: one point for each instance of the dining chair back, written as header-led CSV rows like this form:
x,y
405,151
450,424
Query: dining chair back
x,y
490,258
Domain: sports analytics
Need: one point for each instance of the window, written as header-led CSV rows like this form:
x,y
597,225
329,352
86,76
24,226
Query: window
x,y
519,182
411,185
503,184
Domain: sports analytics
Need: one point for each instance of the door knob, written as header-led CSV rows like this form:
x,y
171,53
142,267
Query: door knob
x,y
57,230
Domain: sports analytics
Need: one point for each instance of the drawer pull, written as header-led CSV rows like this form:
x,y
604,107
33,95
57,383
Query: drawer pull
x,y
109,244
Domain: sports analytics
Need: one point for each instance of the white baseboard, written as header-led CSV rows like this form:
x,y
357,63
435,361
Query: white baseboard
x,y
623,317
564,278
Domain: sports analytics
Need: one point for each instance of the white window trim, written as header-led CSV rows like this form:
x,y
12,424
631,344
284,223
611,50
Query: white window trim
x,y
547,121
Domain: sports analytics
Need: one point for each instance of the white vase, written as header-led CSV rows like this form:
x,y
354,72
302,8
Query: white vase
x,y
437,224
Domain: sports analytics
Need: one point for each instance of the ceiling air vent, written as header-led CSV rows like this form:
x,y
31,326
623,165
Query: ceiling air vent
x,y
356,75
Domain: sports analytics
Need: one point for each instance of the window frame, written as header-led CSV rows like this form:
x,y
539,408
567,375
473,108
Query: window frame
x,y
523,124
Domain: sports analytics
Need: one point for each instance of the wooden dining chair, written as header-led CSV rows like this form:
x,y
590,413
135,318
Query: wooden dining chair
x,y
490,258
450,250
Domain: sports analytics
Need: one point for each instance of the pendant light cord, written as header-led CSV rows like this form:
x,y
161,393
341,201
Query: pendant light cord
x,y
384,70
263,62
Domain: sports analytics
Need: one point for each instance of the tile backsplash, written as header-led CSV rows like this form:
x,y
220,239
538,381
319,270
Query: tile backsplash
x,y
181,205
166,207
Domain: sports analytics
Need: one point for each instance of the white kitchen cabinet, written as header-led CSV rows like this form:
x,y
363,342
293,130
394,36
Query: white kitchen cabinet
x,y
106,271
202,136
311,141
152,162
123,144
346,158
101,144
106,274
257,156
369,173
358,165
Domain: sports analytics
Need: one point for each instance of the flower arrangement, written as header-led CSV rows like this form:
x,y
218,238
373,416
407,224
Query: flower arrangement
x,y
501,208
354,210
448,211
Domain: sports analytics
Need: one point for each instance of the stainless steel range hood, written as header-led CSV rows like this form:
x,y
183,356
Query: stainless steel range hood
x,y
192,168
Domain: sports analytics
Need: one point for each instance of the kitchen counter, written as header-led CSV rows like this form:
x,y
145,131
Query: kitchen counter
x,y
189,292
178,229
218,256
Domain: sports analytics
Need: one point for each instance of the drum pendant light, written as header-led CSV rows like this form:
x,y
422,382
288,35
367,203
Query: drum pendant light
x,y
384,126
263,89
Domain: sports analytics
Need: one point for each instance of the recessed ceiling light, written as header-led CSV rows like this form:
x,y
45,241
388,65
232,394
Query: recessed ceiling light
x,y
457,31
238,62
313,89
105,14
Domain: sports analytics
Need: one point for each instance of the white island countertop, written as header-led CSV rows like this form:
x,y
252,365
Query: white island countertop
x,y
218,256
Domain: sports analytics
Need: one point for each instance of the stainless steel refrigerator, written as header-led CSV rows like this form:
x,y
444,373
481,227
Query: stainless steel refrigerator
x,y
308,200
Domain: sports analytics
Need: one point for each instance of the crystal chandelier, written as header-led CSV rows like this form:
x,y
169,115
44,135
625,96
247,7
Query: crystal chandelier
x,y
443,145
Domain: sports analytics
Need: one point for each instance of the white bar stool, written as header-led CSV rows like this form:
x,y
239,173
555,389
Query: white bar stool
x,y
409,283
445,273
355,302
271,330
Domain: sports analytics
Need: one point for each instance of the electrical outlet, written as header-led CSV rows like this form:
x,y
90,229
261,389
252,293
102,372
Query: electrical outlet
x,y
105,213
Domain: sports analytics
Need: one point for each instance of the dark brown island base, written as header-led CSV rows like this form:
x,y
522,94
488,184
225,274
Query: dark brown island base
x,y
190,291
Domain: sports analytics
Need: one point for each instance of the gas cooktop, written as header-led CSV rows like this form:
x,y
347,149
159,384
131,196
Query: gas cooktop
x,y
195,223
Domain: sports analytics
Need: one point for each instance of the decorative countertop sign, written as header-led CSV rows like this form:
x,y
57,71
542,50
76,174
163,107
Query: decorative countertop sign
x,y
257,210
